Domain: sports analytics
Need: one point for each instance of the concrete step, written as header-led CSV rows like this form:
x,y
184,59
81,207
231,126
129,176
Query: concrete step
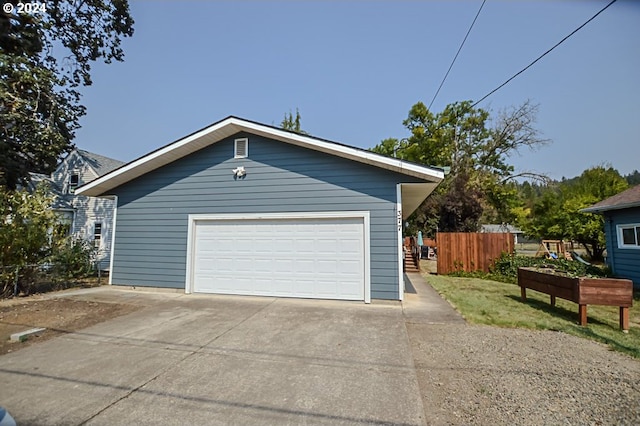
x,y
410,267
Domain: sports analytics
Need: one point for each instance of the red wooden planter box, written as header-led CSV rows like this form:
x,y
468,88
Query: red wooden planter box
x,y
581,290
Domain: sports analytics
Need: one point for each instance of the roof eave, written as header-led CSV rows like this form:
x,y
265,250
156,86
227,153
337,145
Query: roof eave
x,y
608,208
232,125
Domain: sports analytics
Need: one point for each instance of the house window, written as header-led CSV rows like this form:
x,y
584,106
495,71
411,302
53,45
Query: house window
x,y
74,180
629,236
97,234
241,148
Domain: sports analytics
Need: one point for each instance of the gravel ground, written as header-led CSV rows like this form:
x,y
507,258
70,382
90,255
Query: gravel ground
x,y
483,375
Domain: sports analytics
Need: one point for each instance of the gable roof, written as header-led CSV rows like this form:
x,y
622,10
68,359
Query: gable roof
x,y
100,164
232,125
59,202
623,200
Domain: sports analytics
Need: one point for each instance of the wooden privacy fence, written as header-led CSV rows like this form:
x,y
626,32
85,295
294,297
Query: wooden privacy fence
x,y
463,251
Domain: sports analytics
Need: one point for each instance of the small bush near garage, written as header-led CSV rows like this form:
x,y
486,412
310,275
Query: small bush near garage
x,y
73,259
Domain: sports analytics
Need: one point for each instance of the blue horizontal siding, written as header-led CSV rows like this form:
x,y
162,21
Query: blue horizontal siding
x,y
151,240
625,262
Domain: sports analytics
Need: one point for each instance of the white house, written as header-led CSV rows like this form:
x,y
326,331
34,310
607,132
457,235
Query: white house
x,y
89,217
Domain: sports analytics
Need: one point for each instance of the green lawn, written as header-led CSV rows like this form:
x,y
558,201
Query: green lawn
x,y
494,303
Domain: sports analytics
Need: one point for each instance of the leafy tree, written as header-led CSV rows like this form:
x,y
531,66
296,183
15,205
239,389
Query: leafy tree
x,y
26,224
292,123
460,207
39,98
633,178
31,234
556,214
468,142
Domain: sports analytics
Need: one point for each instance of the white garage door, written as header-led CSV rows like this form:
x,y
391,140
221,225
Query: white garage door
x,y
286,257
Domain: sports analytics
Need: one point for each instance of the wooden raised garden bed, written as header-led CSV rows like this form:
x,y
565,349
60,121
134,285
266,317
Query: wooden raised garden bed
x,y
581,290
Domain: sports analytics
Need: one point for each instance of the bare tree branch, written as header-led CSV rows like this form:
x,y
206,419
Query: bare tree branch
x,y
538,177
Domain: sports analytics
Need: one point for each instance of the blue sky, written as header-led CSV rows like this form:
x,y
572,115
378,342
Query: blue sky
x,y
355,68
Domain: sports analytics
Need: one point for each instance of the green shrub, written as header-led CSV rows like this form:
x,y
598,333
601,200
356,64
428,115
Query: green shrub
x,y
27,235
73,259
34,247
505,268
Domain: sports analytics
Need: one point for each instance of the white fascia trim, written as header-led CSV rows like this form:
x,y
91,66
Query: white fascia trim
x,y
237,125
113,238
399,221
279,215
367,257
191,228
154,155
621,245
610,208
364,215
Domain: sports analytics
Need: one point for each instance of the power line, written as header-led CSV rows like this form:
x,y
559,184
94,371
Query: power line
x,y
456,57
543,55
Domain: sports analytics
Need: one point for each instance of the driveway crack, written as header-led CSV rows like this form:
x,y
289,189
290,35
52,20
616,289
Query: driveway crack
x,y
170,367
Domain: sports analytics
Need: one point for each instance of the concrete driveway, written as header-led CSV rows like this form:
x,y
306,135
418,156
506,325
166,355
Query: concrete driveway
x,y
202,360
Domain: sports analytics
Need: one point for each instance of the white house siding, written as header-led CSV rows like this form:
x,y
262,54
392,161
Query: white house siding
x,y
87,210
74,162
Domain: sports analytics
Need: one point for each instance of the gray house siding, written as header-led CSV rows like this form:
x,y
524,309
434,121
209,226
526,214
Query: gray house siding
x,y
152,214
624,262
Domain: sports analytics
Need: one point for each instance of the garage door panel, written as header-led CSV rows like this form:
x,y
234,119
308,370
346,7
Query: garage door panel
x,y
304,247
350,246
327,246
351,268
307,257
283,266
262,266
326,288
262,285
304,266
284,287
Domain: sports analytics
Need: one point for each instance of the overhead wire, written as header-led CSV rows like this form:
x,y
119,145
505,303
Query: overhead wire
x,y
457,53
543,55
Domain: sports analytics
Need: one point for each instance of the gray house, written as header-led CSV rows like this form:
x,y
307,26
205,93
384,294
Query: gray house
x,y
502,228
89,218
245,208
622,229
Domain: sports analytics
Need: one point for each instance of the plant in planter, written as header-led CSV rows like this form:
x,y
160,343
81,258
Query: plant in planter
x,y
583,290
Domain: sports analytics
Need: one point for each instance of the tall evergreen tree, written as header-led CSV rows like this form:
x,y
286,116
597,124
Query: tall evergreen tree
x,y
292,123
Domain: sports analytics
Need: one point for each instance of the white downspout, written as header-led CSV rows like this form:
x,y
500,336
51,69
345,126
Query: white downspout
x,y
113,238
400,242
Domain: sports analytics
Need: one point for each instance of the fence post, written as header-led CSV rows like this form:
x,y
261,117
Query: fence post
x,y
15,282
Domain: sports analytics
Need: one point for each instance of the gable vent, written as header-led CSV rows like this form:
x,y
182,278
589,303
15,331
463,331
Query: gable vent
x,y
241,148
